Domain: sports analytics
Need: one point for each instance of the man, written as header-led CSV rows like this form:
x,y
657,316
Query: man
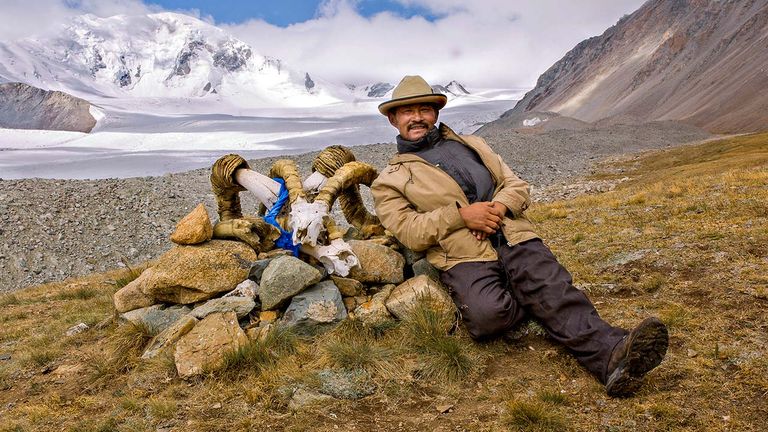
x,y
456,199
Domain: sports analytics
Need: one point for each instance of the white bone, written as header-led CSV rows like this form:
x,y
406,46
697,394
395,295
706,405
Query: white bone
x,y
307,221
262,187
337,257
314,182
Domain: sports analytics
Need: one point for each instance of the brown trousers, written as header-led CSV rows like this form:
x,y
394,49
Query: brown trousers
x,y
528,281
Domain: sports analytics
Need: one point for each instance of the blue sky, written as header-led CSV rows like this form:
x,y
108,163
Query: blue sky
x,y
283,12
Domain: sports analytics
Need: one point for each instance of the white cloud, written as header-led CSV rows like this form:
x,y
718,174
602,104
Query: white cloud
x,y
22,18
488,43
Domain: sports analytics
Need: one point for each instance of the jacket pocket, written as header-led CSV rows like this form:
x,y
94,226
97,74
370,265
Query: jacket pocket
x,y
462,245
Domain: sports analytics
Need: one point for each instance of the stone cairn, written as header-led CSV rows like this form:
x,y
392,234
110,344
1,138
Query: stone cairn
x,y
225,284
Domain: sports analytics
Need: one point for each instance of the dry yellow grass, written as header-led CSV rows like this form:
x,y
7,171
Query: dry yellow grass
x,y
686,239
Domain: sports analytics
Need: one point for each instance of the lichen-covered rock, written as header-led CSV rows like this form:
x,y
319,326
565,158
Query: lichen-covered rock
x,y
241,306
246,288
348,287
194,228
268,316
155,318
260,332
189,274
350,303
131,297
283,278
378,263
204,347
303,398
374,311
316,309
346,384
406,295
169,336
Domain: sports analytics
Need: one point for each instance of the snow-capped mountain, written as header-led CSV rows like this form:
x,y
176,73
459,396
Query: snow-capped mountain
x,y
159,55
384,90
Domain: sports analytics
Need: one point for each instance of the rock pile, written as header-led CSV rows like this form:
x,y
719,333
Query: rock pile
x,y
204,297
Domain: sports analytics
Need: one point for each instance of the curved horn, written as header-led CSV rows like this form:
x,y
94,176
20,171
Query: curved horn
x,y
344,184
328,162
225,188
286,169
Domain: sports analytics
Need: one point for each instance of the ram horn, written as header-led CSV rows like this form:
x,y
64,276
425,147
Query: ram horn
x,y
344,185
224,187
327,163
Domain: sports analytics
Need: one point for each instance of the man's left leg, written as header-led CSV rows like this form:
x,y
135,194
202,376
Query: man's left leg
x,y
545,290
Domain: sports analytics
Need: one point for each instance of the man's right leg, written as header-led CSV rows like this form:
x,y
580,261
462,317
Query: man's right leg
x,y
479,292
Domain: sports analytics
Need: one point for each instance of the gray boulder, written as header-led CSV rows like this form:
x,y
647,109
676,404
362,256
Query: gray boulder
x,y
241,306
374,311
156,317
317,309
420,288
346,384
283,278
378,263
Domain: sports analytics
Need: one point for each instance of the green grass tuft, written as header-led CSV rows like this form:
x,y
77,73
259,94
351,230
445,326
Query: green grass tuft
x,y
9,300
130,275
82,293
534,416
258,354
356,354
552,397
442,356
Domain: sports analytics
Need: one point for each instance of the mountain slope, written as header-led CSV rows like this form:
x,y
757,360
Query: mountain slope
x,y
26,107
700,61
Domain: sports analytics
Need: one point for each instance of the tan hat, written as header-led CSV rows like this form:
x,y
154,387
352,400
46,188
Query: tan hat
x,y
411,90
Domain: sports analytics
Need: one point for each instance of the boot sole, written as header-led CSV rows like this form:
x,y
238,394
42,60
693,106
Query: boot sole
x,y
646,351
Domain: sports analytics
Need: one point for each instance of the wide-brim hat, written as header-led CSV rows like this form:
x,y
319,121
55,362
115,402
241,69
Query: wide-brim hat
x,y
411,90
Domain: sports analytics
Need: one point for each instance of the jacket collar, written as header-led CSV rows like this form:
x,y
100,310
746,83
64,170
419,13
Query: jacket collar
x,y
427,141
445,133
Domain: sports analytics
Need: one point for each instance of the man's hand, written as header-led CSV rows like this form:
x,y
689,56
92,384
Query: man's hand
x,y
482,217
494,209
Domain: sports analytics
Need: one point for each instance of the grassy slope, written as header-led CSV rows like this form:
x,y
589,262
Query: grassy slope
x,y
686,239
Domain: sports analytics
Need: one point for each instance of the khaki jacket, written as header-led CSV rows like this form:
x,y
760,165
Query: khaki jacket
x,y
418,202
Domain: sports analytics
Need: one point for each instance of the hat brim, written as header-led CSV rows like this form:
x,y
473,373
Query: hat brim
x,y
435,98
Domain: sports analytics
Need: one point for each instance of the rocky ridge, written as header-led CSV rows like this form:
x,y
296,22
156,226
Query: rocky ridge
x,y
26,107
698,61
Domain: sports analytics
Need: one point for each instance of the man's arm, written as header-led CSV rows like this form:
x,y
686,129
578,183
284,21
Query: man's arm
x,y
416,230
514,193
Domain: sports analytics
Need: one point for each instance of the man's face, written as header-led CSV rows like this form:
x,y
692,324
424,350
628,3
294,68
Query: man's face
x,y
413,121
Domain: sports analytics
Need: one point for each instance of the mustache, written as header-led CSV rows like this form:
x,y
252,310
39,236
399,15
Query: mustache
x,y
418,123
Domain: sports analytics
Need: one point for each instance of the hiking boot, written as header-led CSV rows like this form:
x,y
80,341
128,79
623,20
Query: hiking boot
x,y
639,352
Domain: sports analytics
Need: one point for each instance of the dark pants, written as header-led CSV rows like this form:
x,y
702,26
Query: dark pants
x,y
527,281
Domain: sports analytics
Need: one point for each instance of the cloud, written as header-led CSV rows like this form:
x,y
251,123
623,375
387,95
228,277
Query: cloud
x,y
22,18
484,43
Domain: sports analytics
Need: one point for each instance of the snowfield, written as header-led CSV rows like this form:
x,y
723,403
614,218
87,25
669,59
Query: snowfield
x,y
172,93
130,144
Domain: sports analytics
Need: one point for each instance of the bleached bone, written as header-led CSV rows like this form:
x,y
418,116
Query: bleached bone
x,y
262,187
306,221
314,182
337,257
